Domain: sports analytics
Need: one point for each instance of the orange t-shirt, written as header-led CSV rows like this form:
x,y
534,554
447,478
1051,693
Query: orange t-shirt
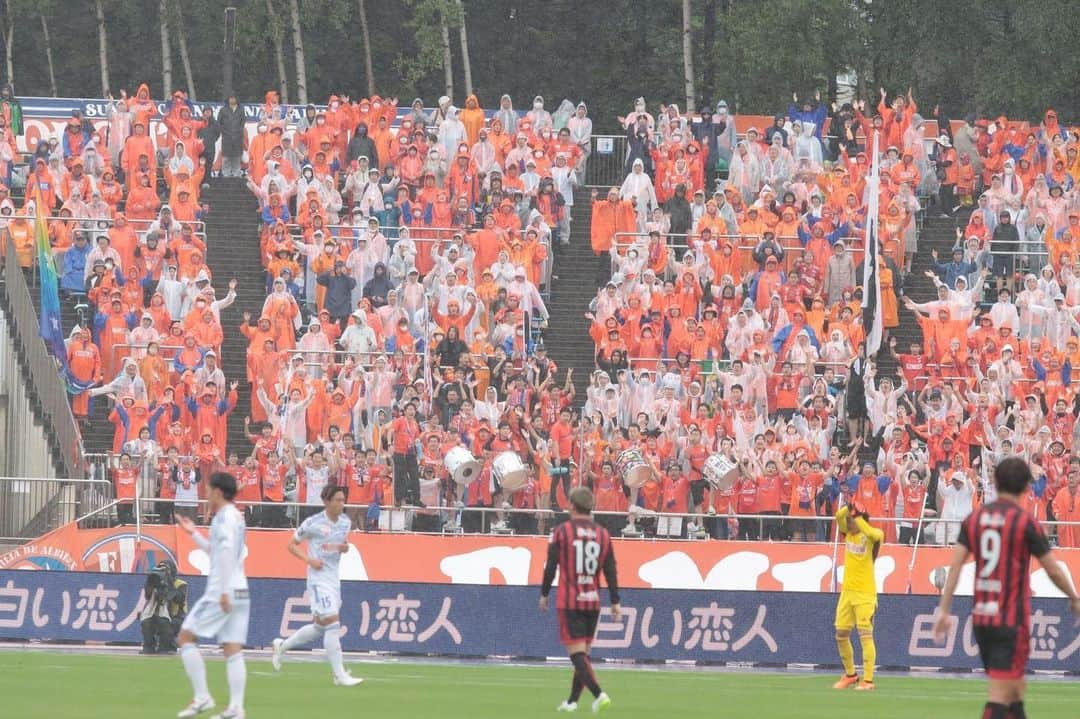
x,y
273,483
869,496
124,479
768,493
247,484
803,492
562,435
405,433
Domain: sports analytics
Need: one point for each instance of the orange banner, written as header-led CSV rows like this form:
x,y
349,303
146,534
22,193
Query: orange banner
x,y
485,559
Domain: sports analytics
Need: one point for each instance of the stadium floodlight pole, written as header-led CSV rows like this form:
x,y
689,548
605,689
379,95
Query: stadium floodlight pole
x,y
230,49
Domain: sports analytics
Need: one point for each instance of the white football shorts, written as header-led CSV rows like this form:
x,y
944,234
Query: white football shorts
x,y
207,620
325,599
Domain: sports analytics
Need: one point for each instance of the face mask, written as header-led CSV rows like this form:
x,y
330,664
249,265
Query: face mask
x,y
538,106
262,130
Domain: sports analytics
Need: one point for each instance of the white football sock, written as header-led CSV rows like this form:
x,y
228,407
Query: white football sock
x,y
304,635
332,644
236,673
196,670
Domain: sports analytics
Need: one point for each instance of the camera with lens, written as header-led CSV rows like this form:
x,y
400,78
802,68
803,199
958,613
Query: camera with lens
x,y
164,609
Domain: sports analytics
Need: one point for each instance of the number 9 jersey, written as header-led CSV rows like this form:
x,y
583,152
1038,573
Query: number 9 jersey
x,y
1003,538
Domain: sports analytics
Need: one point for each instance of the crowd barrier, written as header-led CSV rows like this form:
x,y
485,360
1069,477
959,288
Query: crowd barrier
x,y
470,620
31,505
518,560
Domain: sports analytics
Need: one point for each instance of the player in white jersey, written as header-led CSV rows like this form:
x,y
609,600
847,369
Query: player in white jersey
x,y
222,611
326,534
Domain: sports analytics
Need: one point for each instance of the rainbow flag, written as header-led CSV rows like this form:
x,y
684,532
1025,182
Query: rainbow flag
x,y
52,334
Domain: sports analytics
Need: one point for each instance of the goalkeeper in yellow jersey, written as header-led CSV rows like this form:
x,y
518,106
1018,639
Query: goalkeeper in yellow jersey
x,y
858,598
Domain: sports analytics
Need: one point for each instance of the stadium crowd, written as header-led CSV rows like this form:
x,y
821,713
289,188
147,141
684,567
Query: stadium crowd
x,y
407,253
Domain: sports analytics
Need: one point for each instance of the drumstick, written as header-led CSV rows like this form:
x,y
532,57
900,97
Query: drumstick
x,y
915,549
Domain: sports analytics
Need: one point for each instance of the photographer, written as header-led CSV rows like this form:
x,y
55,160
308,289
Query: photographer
x,y
165,609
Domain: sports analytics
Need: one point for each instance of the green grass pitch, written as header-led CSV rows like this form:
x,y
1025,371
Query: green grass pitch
x,y
79,686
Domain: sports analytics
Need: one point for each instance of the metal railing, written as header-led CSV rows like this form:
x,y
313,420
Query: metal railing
x,y
42,370
417,233
607,161
32,506
338,357
710,367
788,243
122,350
638,523
89,224
744,245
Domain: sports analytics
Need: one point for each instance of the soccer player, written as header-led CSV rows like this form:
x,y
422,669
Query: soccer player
x,y
1003,537
222,611
858,598
580,549
326,534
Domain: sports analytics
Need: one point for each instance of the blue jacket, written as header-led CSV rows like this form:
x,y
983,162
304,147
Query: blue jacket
x,y
784,332
816,116
948,271
73,279
268,216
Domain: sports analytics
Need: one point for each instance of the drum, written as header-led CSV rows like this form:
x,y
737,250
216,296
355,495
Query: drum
x,y
510,472
462,465
631,466
720,472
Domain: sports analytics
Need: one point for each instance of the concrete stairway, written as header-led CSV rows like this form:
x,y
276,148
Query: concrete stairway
x,y
567,337
937,233
232,240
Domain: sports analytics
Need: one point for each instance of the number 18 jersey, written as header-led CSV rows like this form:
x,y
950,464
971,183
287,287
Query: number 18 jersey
x,y
1003,537
582,549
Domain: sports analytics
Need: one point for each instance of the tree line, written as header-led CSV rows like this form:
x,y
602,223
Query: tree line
x,y
989,57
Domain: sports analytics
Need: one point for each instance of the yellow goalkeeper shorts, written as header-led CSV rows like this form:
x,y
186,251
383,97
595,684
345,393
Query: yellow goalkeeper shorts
x,y
855,611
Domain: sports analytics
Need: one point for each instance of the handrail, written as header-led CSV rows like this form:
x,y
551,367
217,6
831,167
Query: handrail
x,y
361,230
41,369
376,354
291,515
32,506
716,363
110,220
43,480
975,380
739,238
88,226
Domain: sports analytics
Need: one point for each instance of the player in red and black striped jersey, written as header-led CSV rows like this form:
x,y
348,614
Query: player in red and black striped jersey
x,y
580,549
1003,538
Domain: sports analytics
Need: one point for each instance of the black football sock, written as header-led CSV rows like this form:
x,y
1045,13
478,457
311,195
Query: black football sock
x,y
575,688
584,672
992,710
1016,711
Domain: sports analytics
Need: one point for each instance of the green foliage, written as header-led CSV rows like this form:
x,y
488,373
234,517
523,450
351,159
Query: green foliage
x,y
426,26
985,56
